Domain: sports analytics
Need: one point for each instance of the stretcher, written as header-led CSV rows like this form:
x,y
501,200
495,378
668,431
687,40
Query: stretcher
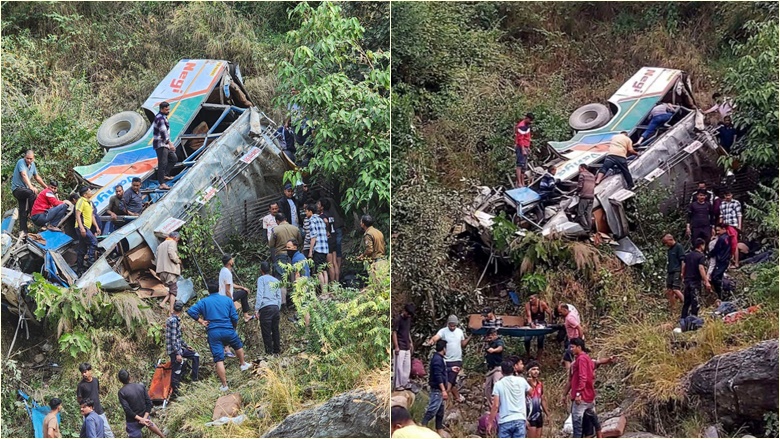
x,y
161,388
513,326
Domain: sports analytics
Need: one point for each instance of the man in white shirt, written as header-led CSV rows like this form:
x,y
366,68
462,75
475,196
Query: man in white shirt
x,y
236,292
269,221
509,397
453,358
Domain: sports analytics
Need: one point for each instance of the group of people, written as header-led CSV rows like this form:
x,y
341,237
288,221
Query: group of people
x,y
516,401
713,226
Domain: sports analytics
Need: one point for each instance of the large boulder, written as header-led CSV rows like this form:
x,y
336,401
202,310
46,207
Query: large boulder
x,y
737,387
353,414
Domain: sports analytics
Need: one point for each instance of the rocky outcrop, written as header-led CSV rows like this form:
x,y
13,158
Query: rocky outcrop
x,y
353,414
739,386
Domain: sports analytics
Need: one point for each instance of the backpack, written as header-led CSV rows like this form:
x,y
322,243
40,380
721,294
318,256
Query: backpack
x,y
418,370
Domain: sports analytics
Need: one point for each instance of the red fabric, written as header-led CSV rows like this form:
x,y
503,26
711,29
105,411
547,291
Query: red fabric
x,y
160,388
418,370
733,234
582,378
523,140
45,201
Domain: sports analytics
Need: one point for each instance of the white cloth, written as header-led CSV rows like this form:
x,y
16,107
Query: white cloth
x,y
269,222
225,277
574,311
403,368
453,339
293,212
511,391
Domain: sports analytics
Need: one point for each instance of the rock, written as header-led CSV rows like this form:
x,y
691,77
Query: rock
x,y
611,414
444,434
46,347
744,383
711,431
351,414
613,427
39,358
453,417
640,434
404,398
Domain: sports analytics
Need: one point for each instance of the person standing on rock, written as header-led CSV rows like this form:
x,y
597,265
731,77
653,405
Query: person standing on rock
x,y
494,355
537,403
218,315
456,341
267,305
522,147
403,346
402,426
51,427
137,405
586,184
581,382
675,255
23,189
177,349
166,152
169,268
508,407
89,389
437,381
694,272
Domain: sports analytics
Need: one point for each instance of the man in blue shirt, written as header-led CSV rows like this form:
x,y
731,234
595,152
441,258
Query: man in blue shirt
x,y
93,425
437,381
295,257
134,201
267,304
218,315
166,152
547,184
23,189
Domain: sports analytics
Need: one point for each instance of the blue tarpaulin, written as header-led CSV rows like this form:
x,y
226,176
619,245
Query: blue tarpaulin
x,y
54,240
523,196
50,270
37,412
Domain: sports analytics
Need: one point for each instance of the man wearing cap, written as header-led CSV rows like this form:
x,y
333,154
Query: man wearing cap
x,y
289,205
51,426
166,152
456,341
23,189
582,393
494,355
218,315
177,349
87,222
47,210
403,346
169,267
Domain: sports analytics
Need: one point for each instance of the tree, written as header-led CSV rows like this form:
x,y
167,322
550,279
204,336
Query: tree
x,y
339,93
753,83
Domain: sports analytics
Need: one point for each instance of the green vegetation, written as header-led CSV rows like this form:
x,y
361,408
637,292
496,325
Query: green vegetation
x,y
463,75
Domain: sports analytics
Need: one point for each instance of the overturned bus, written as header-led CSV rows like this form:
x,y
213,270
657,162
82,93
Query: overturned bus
x,y
225,147
680,152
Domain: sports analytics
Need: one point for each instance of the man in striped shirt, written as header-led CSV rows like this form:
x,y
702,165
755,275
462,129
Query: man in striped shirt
x,y
731,217
177,349
166,152
318,249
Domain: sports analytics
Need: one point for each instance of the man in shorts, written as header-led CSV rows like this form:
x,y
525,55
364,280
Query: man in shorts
x,y
218,315
453,359
523,147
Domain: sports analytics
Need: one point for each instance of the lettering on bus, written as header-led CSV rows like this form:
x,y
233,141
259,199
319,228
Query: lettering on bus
x,y
109,191
177,83
640,84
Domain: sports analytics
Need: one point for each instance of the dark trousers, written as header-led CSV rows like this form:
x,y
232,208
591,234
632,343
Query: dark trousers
x,y
166,160
241,294
704,233
26,198
269,327
690,300
87,246
539,344
176,368
585,213
616,161
717,278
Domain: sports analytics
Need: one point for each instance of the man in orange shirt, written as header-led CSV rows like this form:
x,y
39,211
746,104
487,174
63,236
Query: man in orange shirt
x,y
523,147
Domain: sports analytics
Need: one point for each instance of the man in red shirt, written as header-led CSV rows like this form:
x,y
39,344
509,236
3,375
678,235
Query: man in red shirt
x,y
582,393
523,147
48,210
